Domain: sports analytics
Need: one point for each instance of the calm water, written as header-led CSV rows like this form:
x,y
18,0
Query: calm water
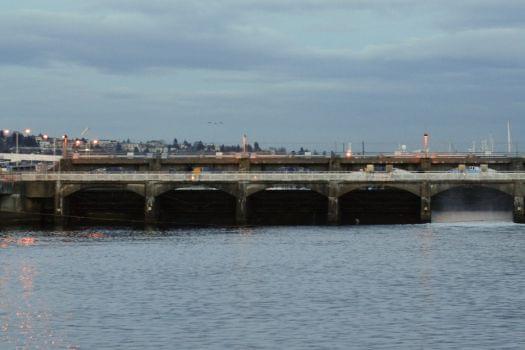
x,y
406,287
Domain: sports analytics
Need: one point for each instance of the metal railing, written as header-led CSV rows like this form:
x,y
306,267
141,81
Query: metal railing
x,y
318,176
229,155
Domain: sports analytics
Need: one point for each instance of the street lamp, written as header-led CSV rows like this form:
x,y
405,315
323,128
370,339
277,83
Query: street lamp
x,y
64,146
45,137
94,144
26,133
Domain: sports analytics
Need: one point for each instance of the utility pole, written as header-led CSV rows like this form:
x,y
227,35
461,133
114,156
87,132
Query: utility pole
x,y
244,143
509,139
64,147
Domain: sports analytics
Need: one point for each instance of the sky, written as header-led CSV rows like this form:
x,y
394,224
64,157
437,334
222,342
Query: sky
x,y
281,71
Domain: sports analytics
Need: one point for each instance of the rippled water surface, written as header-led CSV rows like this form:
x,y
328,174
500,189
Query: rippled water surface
x,y
424,286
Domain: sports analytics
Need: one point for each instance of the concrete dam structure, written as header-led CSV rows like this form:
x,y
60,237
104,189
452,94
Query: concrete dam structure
x,y
254,197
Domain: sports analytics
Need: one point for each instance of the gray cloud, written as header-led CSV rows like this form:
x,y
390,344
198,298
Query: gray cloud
x,y
120,43
185,63
131,41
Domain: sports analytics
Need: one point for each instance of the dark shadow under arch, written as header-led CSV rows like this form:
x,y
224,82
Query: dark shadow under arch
x,y
105,205
379,205
199,207
287,207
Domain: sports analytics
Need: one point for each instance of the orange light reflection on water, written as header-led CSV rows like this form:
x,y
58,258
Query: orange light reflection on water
x,y
26,322
22,241
96,235
26,241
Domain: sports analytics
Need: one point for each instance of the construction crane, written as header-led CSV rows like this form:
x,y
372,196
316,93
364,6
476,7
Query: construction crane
x,y
84,132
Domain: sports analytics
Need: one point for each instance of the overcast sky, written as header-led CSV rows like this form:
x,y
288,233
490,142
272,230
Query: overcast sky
x,y
279,70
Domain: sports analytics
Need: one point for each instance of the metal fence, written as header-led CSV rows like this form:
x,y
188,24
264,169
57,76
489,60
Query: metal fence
x,y
359,176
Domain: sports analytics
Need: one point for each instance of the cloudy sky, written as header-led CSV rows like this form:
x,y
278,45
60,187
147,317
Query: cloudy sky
x,y
312,71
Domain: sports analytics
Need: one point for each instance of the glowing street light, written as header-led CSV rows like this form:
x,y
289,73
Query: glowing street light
x,y
45,137
26,132
6,132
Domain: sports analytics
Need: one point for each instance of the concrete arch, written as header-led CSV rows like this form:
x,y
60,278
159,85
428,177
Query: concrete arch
x,y
436,189
322,189
69,189
415,189
230,189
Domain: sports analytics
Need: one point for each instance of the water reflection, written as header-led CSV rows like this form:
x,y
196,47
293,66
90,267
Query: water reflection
x,y
426,237
443,216
26,317
22,241
280,287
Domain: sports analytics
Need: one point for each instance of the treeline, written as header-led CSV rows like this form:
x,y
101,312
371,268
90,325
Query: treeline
x,y
199,147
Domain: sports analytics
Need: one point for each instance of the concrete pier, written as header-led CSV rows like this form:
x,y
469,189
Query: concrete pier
x,y
333,204
241,209
518,212
426,199
151,210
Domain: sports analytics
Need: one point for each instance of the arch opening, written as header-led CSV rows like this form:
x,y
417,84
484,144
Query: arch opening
x,y
20,211
100,206
42,209
379,206
287,207
472,203
196,206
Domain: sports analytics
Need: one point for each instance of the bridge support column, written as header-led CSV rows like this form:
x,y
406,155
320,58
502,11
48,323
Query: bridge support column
x,y
241,208
426,209
150,205
244,163
333,204
519,211
61,210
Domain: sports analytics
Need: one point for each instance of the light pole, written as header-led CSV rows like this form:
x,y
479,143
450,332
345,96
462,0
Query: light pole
x,y
45,137
26,133
5,133
92,145
64,146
